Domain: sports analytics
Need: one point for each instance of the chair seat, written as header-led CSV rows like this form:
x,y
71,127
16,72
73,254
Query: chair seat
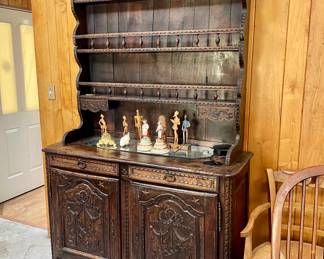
x,y
263,251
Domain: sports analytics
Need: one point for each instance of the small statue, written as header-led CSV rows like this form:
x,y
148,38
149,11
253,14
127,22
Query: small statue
x,y
105,139
185,126
102,124
160,146
138,123
125,139
175,124
125,125
185,132
145,144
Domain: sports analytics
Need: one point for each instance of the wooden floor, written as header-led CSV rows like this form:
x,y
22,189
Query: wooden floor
x,y
28,208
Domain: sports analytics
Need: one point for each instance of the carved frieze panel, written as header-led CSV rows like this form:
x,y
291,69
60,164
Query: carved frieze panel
x,y
94,104
216,114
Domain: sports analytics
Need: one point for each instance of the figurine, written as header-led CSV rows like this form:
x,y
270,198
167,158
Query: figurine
x,y
176,122
125,139
160,146
105,139
138,123
145,144
185,126
125,125
102,124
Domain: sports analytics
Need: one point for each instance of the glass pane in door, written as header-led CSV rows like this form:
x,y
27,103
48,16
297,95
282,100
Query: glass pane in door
x,y
29,65
8,90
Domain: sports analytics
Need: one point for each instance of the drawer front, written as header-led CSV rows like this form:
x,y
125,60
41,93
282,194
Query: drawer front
x,y
83,164
173,178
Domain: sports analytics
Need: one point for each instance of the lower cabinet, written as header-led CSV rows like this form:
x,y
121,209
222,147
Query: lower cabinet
x,y
84,214
160,222
108,210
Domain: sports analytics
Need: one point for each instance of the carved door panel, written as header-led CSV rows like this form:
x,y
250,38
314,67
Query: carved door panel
x,y
166,223
85,215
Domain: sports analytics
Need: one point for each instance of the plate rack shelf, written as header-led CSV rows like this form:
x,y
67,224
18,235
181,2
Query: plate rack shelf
x,y
149,53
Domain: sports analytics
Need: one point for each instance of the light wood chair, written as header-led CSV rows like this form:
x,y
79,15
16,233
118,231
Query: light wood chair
x,y
289,211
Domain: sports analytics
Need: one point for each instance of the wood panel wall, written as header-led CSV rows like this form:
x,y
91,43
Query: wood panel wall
x,y
20,4
53,27
285,84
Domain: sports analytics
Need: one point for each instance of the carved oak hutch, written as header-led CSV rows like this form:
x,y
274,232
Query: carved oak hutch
x,y
157,56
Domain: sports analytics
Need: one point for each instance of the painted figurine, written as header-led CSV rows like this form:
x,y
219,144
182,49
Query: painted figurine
x,y
175,126
160,146
125,139
145,128
125,125
185,126
138,123
145,144
105,139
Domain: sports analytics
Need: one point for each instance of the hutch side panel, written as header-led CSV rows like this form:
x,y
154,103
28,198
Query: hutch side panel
x,y
161,222
84,215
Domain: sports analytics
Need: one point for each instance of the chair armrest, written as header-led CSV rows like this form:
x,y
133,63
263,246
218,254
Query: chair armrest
x,y
253,216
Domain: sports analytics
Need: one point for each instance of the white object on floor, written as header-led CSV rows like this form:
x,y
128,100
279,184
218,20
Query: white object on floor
x,y
18,241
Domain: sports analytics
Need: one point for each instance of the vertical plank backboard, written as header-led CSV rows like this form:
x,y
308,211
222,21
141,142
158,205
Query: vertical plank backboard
x,y
312,148
294,83
269,46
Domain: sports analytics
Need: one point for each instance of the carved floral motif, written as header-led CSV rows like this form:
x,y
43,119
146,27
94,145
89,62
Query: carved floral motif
x,y
173,227
94,105
174,235
84,221
219,114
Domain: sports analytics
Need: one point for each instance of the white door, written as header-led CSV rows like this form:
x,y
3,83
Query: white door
x,y
21,167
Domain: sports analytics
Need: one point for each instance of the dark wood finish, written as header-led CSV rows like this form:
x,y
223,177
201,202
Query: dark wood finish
x,y
169,223
158,57
210,202
171,53
84,215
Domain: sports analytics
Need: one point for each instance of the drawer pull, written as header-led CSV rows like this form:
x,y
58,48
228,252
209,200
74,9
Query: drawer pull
x,y
170,178
82,164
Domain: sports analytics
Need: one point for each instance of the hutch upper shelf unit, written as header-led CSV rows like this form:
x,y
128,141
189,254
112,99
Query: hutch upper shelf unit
x,y
157,57
161,56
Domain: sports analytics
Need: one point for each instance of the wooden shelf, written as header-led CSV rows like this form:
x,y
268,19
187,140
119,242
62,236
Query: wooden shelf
x,y
160,86
158,33
107,98
166,49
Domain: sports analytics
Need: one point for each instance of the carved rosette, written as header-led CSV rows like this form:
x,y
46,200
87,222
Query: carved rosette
x,y
94,104
217,114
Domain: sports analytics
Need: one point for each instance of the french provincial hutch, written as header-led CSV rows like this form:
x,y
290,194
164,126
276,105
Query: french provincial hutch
x,y
157,56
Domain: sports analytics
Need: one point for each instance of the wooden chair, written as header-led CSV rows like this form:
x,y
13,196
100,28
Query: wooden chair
x,y
290,198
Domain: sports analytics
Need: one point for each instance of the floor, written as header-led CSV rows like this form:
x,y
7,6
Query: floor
x,y
29,209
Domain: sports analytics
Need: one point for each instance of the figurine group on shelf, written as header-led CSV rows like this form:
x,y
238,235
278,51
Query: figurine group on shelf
x,y
142,130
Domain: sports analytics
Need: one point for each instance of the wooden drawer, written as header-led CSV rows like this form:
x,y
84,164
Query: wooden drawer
x,y
83,164
173,178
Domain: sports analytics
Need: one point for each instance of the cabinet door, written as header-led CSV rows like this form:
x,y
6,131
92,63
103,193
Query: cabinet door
x,y
84,213
168,223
